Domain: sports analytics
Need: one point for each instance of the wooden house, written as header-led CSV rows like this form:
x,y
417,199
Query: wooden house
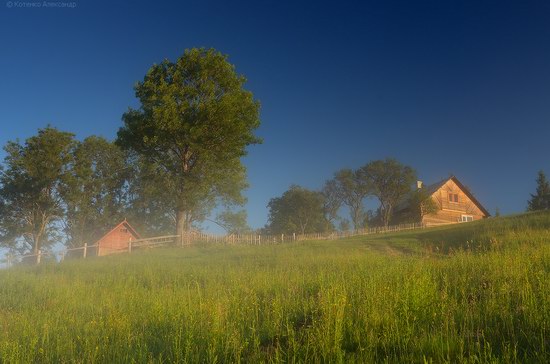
x,y
455,203
117,240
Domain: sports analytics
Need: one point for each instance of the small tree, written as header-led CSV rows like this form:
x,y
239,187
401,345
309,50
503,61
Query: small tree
x,y
351,188
391,181
297,210
233,222
332,200
29,193
344,225
422,204
541,199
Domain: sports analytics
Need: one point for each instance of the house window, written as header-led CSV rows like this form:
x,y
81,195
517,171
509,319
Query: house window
x,y
453,197
467,218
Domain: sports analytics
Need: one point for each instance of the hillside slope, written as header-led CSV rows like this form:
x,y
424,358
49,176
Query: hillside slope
x,y
466,293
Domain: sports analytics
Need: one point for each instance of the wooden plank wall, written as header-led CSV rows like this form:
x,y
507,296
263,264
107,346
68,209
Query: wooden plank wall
x,y
450,211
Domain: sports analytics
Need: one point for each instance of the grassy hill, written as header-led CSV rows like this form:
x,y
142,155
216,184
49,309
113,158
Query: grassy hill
x,y
474,292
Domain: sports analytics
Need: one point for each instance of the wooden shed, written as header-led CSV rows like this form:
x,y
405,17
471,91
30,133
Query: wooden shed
x,y
455,203
116,240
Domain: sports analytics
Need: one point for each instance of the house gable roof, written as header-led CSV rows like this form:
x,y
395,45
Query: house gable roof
x,y
468,193
126,225
433,188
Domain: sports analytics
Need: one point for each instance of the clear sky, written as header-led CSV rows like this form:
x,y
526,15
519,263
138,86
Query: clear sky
x,y
459,87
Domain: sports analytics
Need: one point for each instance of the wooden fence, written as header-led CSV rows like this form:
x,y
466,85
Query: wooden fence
x,y
256,239
197,237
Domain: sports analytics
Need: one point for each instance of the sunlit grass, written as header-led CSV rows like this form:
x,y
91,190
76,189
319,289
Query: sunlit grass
x,y
476,292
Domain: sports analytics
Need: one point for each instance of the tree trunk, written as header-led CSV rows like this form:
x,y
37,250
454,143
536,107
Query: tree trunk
x,y
37,246
357,215
387,215
181,224
39,236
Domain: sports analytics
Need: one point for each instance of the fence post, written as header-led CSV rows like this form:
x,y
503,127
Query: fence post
x,y
282,238
293,236
130,246
39,257
259,240
9,260
85,250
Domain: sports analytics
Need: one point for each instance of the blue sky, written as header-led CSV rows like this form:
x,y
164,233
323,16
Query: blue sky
x,y
459,87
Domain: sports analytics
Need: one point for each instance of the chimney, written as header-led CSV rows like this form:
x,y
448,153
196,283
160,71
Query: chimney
x,y
419,184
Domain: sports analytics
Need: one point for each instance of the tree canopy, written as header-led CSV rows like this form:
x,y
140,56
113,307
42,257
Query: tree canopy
x,y
350,188
93,190
149,198
332,200
391,181
233,222
193,125
298,210
30,189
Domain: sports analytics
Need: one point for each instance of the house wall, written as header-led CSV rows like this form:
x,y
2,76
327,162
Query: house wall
x,y
451,212
116,241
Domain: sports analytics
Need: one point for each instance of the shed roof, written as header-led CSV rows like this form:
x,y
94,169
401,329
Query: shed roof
x,y
126,225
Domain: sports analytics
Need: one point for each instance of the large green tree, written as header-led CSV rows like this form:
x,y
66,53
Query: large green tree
x,y
93,190
391,181
298,210
541,199
30,189
194,124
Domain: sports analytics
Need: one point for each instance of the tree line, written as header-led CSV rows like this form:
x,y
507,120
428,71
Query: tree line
x,y
300,210
305,211
176,158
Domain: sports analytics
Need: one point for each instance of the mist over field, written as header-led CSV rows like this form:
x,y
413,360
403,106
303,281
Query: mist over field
x,y
476,292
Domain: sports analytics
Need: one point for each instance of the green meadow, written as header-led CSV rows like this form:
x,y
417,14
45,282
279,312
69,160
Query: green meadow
x,y
473,293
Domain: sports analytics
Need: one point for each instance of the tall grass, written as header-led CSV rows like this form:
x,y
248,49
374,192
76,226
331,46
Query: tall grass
x,y
478,292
